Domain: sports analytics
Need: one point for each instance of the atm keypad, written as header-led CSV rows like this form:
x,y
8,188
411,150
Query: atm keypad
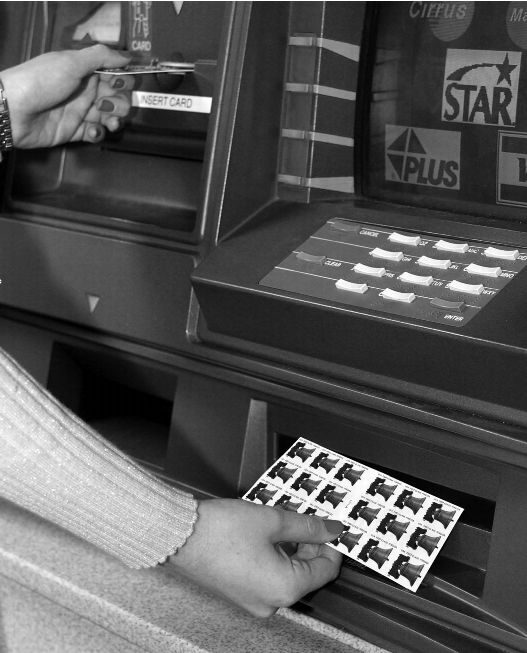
x,y
441,280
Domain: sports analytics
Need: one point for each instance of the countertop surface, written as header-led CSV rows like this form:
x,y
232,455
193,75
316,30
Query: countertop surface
x,y
147,610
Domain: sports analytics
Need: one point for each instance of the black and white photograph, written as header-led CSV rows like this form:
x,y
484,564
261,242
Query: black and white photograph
x,y
263,328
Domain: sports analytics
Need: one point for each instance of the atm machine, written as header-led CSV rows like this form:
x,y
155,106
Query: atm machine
x,y
332,247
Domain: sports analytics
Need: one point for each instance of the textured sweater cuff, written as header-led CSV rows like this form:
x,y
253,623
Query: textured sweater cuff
x,y
58,467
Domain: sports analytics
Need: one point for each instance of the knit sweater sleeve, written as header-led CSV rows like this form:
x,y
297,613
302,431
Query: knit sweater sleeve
x,y
55,465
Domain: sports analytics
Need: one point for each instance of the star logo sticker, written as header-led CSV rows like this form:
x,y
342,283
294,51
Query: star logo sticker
x,y
481,87
505,70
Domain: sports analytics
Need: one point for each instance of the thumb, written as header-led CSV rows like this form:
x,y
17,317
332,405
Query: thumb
x,y
100,56
307,529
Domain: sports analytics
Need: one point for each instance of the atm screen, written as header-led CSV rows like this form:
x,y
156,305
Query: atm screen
x,y
448,127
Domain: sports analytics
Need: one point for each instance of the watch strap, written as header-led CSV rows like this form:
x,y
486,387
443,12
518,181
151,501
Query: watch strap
x,y
6,136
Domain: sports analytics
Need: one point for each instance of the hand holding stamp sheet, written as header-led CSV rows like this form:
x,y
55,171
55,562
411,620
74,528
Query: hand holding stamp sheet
x,y
390,527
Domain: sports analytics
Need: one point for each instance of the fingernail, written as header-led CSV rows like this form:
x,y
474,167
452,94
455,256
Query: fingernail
x,y
334,527
106,106
118,82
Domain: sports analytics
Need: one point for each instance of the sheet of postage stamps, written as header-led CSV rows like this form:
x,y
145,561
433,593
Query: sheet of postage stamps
x,y
391,527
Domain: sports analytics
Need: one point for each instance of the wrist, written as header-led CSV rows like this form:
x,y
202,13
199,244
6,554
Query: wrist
x,y
188,552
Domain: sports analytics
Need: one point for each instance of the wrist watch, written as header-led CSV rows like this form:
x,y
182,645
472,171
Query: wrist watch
x,y
6,137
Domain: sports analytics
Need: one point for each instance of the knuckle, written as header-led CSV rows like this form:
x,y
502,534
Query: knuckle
x,y
99,48
286,596
335,573
70,57
262,611
313,525
278,518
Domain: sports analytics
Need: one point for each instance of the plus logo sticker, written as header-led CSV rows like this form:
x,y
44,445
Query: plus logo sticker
x,y
427,157
481,87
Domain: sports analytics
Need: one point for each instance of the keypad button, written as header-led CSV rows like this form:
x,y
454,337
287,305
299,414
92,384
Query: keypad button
x,y
407,277
404,240
360,268
482,270
505,254
452,307
446,246
359,288
385,254
395,296
471,289
310,258
439,264
345,225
